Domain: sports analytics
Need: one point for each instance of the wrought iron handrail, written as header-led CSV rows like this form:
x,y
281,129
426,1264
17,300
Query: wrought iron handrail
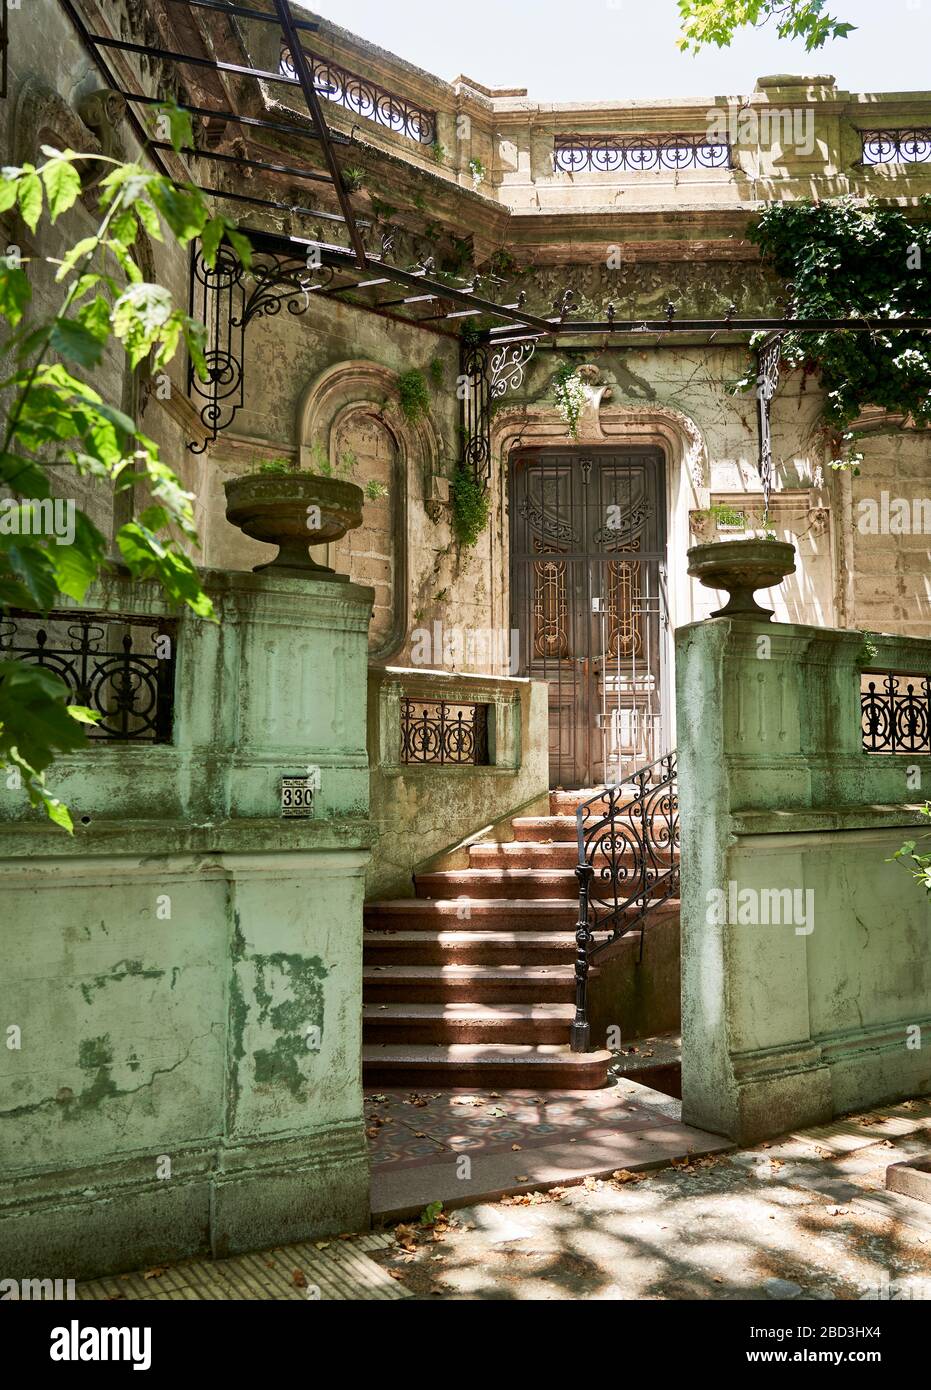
x,y
628,840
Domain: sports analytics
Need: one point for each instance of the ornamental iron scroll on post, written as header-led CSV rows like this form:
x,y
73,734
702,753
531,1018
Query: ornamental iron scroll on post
x,y
767,379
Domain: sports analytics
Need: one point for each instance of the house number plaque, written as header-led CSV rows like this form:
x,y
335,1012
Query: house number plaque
x,y
297,796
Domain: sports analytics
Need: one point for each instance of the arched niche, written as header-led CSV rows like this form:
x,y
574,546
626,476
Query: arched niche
x,y
352,408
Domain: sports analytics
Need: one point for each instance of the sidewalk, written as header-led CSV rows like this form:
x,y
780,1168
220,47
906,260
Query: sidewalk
x,y
805,1217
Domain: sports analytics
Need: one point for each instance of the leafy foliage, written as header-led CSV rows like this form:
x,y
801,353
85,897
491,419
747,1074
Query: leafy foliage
x,y
57,418
918,865
470,506
413,395
716,21
846,258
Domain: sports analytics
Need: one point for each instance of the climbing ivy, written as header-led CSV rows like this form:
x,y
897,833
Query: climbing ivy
x,y
850,257
470,506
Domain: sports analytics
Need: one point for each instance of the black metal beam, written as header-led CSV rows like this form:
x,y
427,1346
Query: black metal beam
x,y
305,78
725,325
221,113
243,161
168,55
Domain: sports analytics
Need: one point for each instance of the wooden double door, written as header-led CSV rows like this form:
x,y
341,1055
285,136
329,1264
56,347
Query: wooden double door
x,y
588,600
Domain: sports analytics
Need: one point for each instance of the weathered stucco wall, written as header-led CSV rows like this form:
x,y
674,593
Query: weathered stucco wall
x,y
184,975
422,813
806,956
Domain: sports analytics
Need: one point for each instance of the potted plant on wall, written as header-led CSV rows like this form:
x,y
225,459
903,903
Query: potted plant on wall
x,y
740,567
283,504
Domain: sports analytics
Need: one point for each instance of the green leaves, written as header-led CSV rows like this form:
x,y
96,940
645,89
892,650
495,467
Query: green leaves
x,y
50,551
29,197
62,182
149,558
707,22
846,257
15,292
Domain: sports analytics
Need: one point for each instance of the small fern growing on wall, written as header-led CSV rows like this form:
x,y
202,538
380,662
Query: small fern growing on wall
x,y
470,506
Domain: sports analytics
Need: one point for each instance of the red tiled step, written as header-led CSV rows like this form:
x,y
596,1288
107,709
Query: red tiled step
x,y
472,914
484,1064
467,948
466,1023
475,984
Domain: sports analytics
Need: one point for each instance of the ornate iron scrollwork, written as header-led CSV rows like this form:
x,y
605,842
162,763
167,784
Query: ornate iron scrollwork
x,y
767,380
897,146
628,866
227,298
444,732
98,658
508,364
474,414
365,98
603,154
897,717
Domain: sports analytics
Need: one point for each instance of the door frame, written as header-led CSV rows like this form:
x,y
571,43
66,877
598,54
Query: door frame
x,y
584,687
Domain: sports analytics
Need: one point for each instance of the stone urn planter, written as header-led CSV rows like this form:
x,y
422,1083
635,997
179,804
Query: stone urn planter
x,y
293,511
739,568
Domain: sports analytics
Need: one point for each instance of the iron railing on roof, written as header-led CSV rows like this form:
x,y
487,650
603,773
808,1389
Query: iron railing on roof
x,y
365,98
603,154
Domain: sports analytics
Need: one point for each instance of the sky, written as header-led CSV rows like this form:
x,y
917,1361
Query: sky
x,y
604,50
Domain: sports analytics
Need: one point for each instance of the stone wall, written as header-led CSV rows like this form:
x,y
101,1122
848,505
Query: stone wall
x,y
806,952
183,975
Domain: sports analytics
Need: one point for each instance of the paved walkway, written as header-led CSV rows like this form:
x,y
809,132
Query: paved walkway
x,y
458,1147
806,1217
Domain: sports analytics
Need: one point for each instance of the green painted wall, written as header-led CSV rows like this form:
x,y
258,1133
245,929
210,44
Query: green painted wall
x,y
185,973
796,1014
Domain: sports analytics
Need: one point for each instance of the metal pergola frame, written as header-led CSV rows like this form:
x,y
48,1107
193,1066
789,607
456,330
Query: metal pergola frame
x,y
286,278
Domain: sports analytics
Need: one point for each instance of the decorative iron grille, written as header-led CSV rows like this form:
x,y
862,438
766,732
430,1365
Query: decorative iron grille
x,y
895,712
603,154
444,731
365,98
101,658
897,146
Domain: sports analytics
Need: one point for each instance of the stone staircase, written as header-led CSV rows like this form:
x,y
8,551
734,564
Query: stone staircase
x,y
472,982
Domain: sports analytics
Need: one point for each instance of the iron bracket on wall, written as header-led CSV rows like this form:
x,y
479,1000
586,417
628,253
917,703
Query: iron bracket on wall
x,y
227,298
767,379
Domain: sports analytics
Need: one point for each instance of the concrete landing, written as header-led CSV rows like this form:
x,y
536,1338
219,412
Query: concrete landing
x,y
459,1147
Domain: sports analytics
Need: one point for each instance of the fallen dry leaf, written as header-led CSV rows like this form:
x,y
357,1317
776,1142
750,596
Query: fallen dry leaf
x,y
515,1148
155,1273
299,1278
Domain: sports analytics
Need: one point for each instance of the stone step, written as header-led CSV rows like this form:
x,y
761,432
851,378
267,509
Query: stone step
x,y
472,914
558,829
473,984
467,948
517,854
517,1065
507,883
466,1023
